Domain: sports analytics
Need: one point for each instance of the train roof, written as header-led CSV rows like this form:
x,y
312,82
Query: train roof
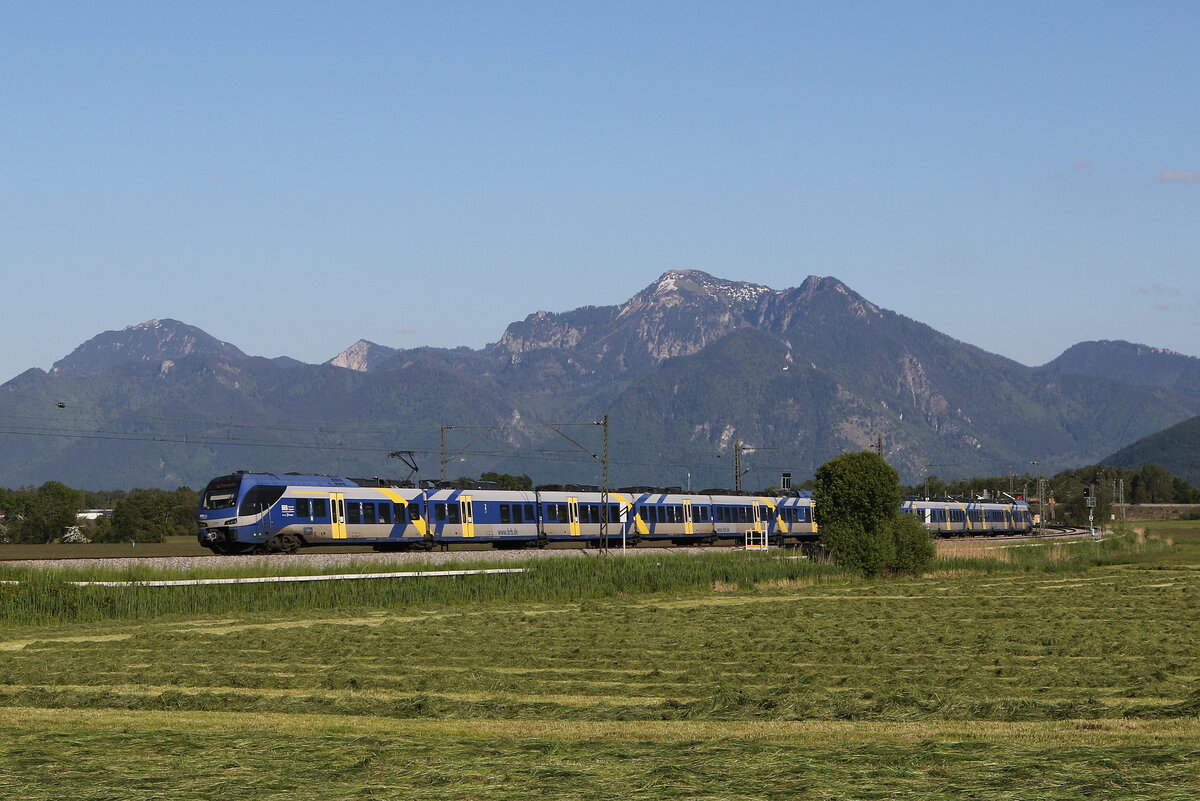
x,y
313,480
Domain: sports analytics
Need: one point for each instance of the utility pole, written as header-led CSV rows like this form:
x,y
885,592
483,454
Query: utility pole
x,y
1041,499
603,459
737,467
443,459
442,449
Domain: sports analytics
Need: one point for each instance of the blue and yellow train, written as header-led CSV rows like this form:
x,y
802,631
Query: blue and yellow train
x,y
949,517
264,512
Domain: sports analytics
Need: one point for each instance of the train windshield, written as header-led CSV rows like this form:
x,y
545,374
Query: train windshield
x,y
221,493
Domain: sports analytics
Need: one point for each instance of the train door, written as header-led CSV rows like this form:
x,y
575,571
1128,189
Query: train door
x,y
688,528
573,515
337,515
757,524
467,512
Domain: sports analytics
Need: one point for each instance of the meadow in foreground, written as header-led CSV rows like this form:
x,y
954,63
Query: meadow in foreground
x,y
1055,673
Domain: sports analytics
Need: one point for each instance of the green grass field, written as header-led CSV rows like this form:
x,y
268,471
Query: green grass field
x,y
1060,672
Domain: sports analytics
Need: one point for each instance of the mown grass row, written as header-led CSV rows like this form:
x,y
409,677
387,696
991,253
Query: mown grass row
x,y
183,765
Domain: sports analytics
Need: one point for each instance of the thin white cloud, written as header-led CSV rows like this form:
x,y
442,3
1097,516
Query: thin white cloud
x,y
1172,176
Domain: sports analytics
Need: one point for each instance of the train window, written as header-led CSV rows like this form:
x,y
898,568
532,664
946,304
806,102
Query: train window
x,y
439,512
259,499
368,513
221,493
353,512
385,513
530,517
318,508
453,513
302,509
414,514
505,513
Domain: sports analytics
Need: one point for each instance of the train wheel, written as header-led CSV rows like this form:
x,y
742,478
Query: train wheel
x,y
289,543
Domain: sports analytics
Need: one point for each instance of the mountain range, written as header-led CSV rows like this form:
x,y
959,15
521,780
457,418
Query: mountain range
x,y
686,369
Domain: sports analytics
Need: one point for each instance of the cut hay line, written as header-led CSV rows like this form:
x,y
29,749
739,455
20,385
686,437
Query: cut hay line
x,y
1057,734
251,693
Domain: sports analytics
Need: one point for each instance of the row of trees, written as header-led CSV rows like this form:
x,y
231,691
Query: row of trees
x,y
48,513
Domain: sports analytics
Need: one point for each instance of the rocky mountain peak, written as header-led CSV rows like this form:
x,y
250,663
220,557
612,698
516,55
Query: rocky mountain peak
x,y
361,356
676,287
156,340
815,287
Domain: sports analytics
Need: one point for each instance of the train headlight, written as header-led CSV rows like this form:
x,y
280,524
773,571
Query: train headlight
x,y
231,521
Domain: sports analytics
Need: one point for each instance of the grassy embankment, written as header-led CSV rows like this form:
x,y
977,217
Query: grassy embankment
x,y
1049,672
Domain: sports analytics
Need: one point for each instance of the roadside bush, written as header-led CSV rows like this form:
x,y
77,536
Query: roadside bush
x,y
914,547
869,552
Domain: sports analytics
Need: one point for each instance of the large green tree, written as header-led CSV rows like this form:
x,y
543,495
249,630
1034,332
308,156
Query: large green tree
x,y
856,488
857,499
45,514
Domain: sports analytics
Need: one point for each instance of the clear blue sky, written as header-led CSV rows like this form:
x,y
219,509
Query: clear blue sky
x,y
293,176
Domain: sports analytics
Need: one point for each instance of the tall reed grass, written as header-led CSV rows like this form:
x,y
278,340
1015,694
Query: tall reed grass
x,y
44,596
